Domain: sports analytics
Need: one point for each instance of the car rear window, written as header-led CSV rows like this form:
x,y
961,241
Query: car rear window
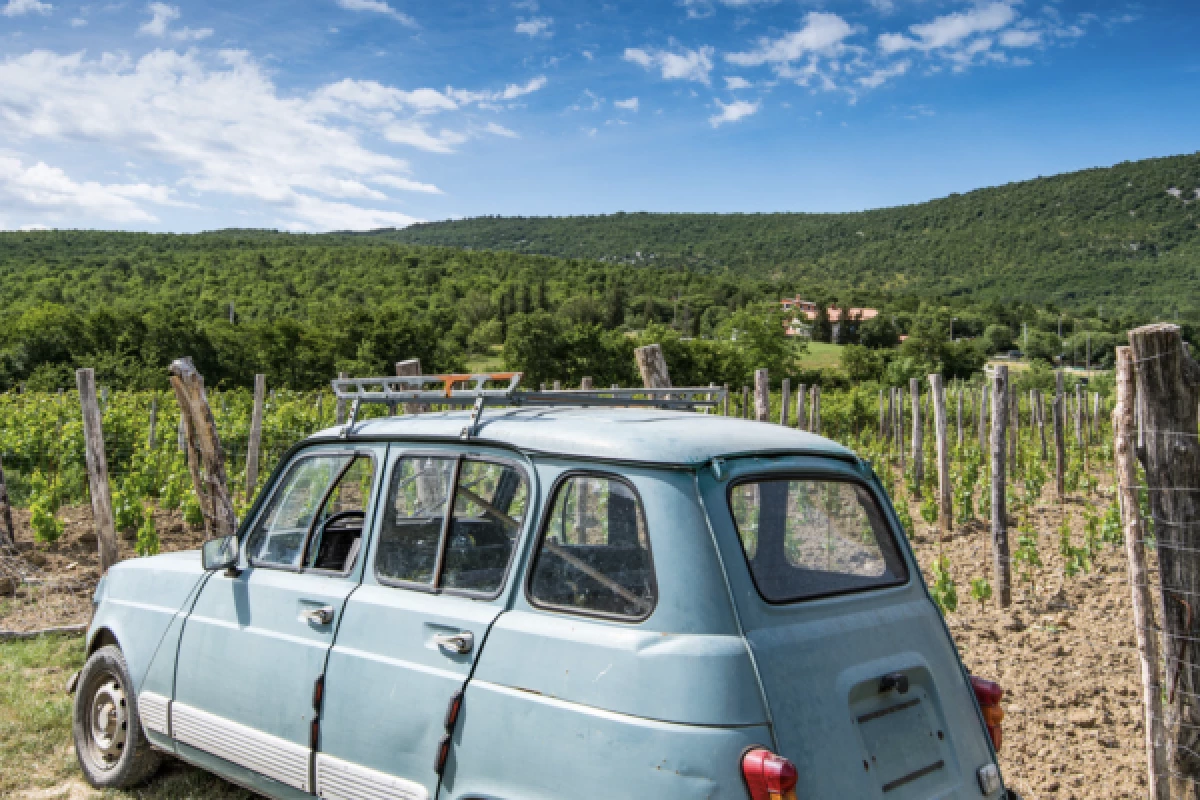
x,y
806,538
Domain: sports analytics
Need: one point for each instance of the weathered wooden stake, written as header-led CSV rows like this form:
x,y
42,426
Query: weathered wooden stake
x,y
1014,432
918,436
341,410
785,400
815,423
152,434
97,467
586,383
745,402
945,491
1168,385
652,365
1000,559
208,476
410,368
882,418
1124,433
983,419
725,402
801,395
255,443
9,534
762,396
1041,421
1060,439
899,425
958,416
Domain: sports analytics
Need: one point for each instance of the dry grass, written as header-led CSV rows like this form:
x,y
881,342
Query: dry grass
x,y
37,759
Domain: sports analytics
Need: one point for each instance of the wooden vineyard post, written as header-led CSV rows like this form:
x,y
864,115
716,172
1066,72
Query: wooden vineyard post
x,y
1079,416
151,435
586,383
785,400
8,535
983,398
918,436
815,422
255,443
1000,560
97,467
899,425
945,504
745,402
882,418
762,396
1168,387
1041,421
408,369
1014,411
652,365
340,409
1060,439
958,415
724,403
1124,433
558,386
208,476
801,394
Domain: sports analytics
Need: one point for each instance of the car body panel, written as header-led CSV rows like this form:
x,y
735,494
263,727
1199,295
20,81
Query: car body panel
x,y
555,703
821,661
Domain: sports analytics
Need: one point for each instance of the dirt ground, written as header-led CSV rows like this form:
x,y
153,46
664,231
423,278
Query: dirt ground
x,y
1064,652
1065,656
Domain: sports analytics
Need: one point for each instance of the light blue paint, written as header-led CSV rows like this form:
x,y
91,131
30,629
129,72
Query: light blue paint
x,y
565,704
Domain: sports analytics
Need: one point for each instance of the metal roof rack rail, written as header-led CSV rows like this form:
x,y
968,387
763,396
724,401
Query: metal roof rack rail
x,y
463,390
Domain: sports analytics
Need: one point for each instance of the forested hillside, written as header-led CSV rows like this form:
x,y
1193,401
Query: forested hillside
x,y
1124,237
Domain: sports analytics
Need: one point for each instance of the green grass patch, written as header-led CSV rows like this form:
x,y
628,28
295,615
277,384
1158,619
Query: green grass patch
x,y
36,752
821,355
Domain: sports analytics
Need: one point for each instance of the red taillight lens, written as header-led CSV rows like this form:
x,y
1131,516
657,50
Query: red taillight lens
x,y
989,694
768,776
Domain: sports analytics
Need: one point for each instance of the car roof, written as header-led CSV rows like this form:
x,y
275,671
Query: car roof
x,y
643,435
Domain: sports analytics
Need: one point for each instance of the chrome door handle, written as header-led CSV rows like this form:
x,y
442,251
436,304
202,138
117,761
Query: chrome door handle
x,y
319,616
461,643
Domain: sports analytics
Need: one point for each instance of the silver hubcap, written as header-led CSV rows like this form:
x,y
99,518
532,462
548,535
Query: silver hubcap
x,y
109,717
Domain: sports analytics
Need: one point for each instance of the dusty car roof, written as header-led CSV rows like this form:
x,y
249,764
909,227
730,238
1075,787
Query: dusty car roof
x,y
617,434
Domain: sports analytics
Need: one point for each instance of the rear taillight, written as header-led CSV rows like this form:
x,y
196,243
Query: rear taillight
x,y
768,776
989,694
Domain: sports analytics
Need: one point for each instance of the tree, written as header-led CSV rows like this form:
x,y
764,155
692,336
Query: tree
x,y
822,329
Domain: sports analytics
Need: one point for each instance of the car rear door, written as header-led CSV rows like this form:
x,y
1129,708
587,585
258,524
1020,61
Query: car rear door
x,y
254,645
410,636
864,686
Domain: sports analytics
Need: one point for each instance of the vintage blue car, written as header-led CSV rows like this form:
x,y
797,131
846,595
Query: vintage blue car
x,y
548,602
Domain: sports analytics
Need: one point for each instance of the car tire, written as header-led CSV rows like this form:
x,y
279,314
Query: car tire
x,y
109,743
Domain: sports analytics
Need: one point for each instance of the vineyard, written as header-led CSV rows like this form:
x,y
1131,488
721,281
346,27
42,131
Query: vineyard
x,y
1063,650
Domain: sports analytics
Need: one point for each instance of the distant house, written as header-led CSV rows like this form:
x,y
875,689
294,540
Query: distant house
x,y
799,305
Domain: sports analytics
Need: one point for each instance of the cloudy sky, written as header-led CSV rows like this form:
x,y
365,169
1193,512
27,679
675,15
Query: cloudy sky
x,y
336,114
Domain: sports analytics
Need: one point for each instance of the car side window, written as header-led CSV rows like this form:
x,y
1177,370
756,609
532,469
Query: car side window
x,y
594,555
490,502
278,537
337,535
413,519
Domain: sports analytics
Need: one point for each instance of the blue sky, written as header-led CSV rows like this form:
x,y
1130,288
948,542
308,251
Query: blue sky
x,y
337,114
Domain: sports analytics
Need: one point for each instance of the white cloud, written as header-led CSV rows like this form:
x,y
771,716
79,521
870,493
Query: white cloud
x,y
732,112
950,30
1020,38
79,22
699,9
823,33
628,105
880,76
161,16
216,124
15,8
735,82
688,65
416,135
590,102
535,26
883,6
49,190
378,7
497,129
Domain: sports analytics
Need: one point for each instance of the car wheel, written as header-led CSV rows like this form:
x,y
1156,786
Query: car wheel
x,y
112,749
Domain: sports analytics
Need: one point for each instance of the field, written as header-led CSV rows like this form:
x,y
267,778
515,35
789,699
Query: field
x,y
821,355
1063,651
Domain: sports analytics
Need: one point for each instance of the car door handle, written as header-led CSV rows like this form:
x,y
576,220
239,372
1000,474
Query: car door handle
x,y
461,642
318,616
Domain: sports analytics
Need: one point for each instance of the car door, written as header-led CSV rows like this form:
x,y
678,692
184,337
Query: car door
x,y
255,643
409,637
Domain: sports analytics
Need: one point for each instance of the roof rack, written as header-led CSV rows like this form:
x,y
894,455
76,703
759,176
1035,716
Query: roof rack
x,y
473,389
